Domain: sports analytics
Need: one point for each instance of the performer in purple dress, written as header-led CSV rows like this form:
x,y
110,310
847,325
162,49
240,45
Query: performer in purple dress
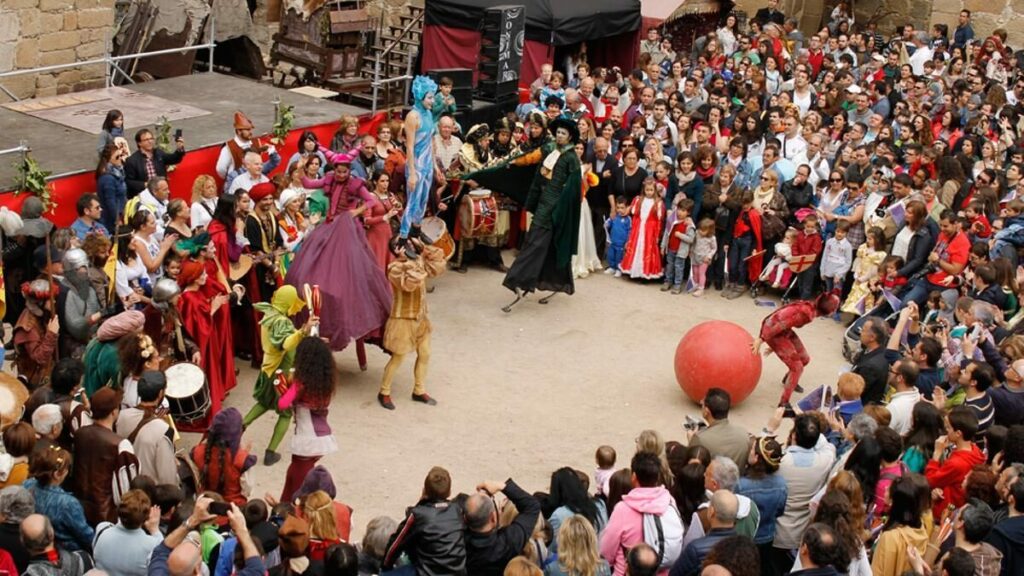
x,y
336,256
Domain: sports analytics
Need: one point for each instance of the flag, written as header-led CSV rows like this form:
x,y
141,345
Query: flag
x,y
891,298
110,269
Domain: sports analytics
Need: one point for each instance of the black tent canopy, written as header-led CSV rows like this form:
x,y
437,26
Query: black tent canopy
x,y
555,22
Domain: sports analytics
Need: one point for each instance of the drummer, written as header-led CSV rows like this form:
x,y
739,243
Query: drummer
x,y
475,155
163,325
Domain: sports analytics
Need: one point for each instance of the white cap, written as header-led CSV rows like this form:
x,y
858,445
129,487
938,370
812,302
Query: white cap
x,y
853,89
878,57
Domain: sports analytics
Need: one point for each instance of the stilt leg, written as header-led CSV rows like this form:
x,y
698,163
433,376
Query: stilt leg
x,y
361,354
519,296
547,298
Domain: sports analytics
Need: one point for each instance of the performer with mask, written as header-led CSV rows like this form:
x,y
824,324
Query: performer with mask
x,y
777,331
545,262
78,305
419,166
163,325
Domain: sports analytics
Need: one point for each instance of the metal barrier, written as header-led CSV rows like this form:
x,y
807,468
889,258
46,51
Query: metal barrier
x,y
111,62
21,148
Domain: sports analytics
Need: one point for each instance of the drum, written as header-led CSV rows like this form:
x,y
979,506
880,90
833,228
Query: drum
x,y
478,216
435,229
13,396
187,392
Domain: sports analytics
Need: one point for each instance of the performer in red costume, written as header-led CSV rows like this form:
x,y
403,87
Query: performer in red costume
x,y
777,331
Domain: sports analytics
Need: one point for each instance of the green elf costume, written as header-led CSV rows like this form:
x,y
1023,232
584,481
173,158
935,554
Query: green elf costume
x,y
280,339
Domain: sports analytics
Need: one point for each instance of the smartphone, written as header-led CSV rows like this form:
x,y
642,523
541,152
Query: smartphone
x,y
219,508
976,333
826,403
177,134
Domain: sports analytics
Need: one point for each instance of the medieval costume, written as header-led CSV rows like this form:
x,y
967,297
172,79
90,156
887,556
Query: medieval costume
x,y
777,331
545,262
503,146
642,258
408,327
220,458
280,338
243,335
310,402
378,226
102,363
336,256
264,236
104,464
292,226
35,344
199,321
419,166
586,259
474,156
229,162
163,325
78,305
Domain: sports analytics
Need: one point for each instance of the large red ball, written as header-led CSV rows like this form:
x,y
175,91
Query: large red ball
x,y
716,354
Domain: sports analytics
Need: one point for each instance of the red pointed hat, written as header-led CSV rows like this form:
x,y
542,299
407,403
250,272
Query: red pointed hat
x,y
242,122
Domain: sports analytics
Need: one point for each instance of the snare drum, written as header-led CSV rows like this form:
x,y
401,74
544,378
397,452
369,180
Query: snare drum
x,y
187,392
478,216
435,229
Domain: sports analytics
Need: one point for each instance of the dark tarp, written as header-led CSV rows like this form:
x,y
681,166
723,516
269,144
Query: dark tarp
x,y
555,22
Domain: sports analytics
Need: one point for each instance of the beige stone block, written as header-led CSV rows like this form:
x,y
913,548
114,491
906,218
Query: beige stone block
x,y
19,4
51,41
22,86
30,22
70,21
1017,6
90,73
90,50
68,77
10,26
983,6
947,6
55,5
56,57
27,53
45,92
46,80
50,22
86,4
96,18
6,57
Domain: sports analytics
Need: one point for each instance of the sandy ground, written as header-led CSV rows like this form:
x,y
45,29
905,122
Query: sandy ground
x,y
525,393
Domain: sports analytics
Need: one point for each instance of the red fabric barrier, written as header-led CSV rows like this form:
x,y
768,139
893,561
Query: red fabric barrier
x,y
67,189
446,47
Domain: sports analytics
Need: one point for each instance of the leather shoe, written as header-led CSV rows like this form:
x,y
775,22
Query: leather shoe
x,y
424,398
385,401
270,458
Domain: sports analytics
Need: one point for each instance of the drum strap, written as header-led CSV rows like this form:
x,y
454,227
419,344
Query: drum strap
x,y
142,424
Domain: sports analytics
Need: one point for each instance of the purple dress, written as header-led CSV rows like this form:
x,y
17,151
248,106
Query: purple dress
x,y
355,292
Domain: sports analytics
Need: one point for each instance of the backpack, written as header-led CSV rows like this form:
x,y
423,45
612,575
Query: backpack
x,y
665,534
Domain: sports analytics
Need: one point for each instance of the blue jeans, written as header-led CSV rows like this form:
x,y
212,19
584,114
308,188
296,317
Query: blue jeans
x,y
919,291
675,270
739,251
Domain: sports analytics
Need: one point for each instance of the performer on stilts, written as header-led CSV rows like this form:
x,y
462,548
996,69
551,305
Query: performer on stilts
x,y
545,262
777,331
419,166
280,339
408,328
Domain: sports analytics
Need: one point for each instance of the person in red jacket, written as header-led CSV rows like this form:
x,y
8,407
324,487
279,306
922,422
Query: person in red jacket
x,y
946,473
808,241
777,331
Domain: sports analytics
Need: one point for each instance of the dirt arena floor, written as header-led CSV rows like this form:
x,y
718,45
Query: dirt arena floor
x,y
522,394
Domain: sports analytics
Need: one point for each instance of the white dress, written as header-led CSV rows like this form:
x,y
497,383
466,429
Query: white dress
x,y
586,259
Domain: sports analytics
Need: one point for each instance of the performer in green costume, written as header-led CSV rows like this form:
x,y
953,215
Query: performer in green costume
x,y
280,339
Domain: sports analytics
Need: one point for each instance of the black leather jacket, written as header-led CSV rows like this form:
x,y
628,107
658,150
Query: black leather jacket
x,y
432,536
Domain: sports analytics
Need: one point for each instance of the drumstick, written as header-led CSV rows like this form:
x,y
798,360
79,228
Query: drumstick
x,y
309,296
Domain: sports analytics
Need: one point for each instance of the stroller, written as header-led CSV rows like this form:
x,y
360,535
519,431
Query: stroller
x,y
797,265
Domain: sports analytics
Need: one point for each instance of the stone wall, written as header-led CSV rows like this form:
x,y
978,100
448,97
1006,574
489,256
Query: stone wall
x,y
987,16
46,32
